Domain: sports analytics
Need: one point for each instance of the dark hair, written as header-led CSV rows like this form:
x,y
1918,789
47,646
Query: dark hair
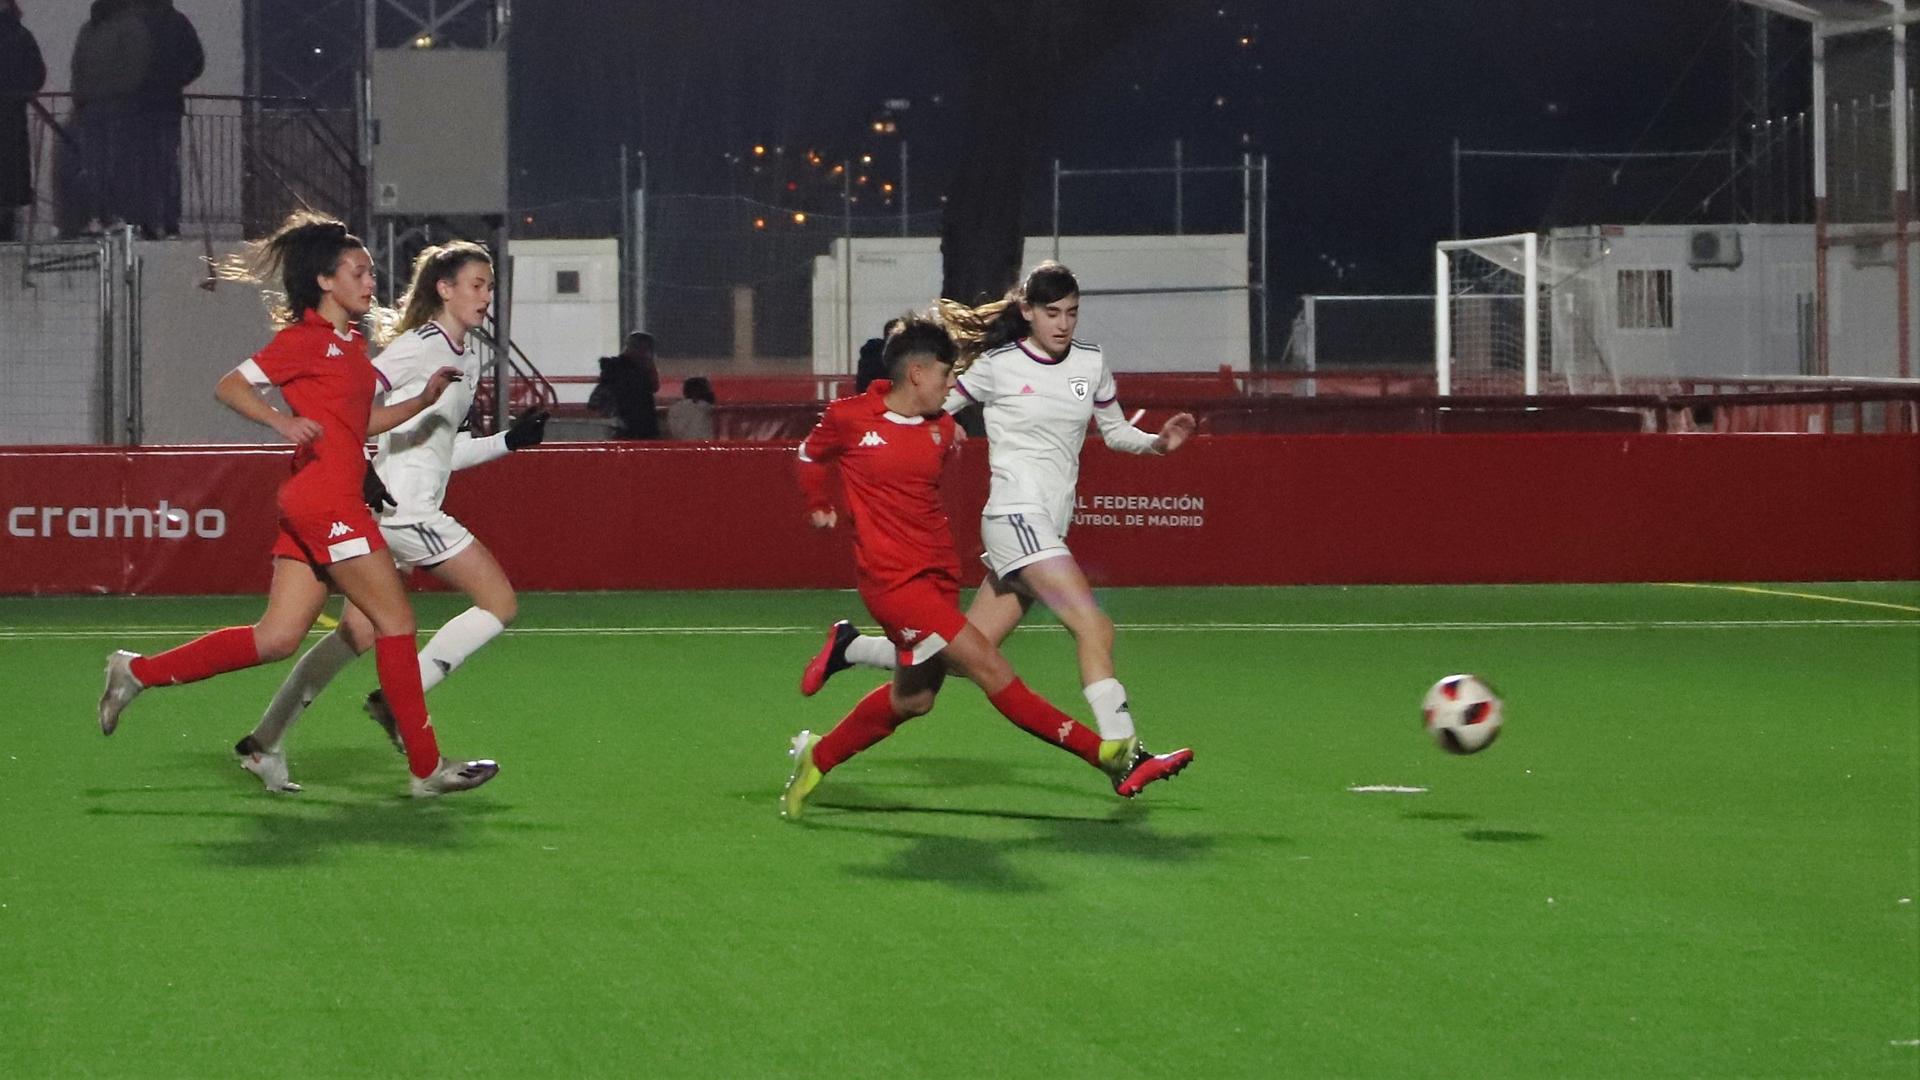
x,y
639,337
989,326
919,335
892,324
697,389
306,247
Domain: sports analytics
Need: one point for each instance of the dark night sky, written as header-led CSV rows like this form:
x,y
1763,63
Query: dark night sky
x,y
1356,101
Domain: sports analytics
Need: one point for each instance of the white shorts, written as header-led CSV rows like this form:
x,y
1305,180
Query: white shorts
x,y
428,542
1018,540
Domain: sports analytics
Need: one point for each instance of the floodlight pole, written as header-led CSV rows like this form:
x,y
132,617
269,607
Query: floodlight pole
x,y
1902,193
1820,245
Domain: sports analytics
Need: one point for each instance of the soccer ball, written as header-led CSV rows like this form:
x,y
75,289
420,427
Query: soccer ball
x,y
1462,714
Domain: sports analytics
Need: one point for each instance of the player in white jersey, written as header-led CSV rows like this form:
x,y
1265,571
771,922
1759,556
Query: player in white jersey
x,y
1038,387
451,292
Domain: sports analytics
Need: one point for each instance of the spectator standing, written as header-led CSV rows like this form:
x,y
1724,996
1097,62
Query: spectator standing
x,y
691,418
22,74
110,58
626,388
176,61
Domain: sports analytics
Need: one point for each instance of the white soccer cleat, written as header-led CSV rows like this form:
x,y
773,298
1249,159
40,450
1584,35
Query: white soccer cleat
x,y
453,776
121,688
269,765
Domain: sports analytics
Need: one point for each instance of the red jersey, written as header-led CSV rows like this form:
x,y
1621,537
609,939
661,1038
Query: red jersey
x,y
325,377
890,466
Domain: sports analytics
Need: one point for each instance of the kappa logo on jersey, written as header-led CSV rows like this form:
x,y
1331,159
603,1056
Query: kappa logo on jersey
x,y
1079,387
339,529
909,636
872,438
334,350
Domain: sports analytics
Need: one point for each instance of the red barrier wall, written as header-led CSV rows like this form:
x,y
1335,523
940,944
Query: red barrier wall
x,y
1225,510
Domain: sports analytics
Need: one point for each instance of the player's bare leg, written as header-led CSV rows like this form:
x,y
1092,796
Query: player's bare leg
x,y
294,594
910,693
373,584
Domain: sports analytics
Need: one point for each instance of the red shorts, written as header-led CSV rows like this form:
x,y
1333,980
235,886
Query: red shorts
x,y
328,536
920,617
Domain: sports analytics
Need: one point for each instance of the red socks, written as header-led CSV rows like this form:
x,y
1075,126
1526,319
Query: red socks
x,y
1034,713
869,722
202,658
399,667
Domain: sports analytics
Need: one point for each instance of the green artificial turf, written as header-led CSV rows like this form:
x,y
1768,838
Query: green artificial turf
x,y
1695,850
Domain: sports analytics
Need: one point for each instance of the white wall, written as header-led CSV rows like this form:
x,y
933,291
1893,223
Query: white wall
x,y
566,334
55,23
1139,332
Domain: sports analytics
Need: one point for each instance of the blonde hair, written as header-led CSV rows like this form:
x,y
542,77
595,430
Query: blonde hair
x,y
422,300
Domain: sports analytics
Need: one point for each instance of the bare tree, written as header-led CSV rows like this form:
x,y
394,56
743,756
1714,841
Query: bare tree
x,y
1026,58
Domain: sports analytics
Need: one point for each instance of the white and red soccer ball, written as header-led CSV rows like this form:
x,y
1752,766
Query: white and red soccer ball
x,y
1462,714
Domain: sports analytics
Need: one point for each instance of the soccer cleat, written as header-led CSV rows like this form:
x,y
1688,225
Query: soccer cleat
x,y
269,765
1132,766
453,776
121,688
831,658
376,707
806,776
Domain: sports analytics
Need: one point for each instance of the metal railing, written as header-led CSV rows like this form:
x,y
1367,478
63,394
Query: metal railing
x,y
242,164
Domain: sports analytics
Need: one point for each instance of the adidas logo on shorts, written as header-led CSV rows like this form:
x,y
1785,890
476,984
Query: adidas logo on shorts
x,y
339,529
872,438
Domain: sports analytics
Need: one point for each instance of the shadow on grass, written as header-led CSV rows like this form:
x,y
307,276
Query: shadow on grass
x,y
1438,815
303,828
975,864
1502,836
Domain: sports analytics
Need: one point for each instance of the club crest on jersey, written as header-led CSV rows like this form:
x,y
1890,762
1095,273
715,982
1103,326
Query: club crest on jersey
x,y
936,436
1079,387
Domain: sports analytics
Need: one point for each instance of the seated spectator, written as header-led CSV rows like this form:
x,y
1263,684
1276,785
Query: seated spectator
x,y
691,418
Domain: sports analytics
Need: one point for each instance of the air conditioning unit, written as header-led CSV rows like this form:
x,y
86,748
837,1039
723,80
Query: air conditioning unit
x,y
1713,247
1874,253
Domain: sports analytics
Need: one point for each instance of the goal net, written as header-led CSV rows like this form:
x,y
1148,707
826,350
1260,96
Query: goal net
x,y
1486,315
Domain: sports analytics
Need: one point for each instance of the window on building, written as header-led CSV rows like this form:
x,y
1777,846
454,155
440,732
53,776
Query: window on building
x,y
566,282
1646,299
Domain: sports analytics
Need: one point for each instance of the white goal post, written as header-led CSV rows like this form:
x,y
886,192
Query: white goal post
x,y
1486,312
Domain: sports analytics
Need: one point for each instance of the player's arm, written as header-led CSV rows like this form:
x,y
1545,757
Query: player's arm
x,y
820,447
1121,435
385,418
244,391
973,386
469,451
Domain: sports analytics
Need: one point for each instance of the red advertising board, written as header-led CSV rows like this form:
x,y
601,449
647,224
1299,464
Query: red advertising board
x,y
1225,510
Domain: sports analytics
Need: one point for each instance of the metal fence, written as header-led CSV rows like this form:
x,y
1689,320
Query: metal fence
x,y
242,164
64,356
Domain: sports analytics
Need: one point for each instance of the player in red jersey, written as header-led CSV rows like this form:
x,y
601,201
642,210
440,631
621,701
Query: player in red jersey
x,y
892,444
328,538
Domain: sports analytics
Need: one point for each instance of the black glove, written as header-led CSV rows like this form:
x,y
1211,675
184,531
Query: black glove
x,y
528,430
375,492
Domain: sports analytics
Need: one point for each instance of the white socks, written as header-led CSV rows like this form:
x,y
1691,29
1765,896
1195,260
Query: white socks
x,y
1109,701
453,643
310,675
872,650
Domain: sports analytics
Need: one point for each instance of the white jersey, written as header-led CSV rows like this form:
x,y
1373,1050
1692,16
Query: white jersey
x,y
1037,410
415,459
